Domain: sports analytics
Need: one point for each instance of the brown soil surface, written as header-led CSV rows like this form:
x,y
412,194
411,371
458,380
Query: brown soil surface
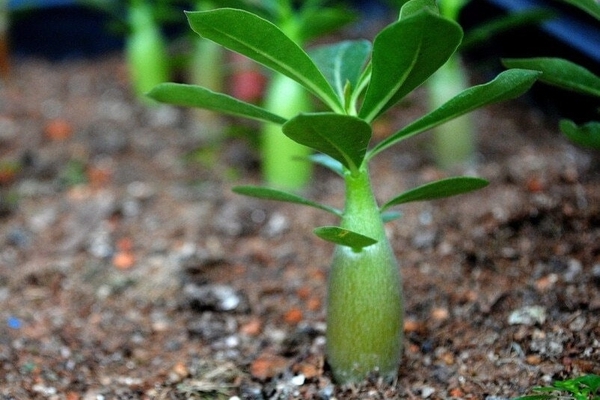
x,y
128,269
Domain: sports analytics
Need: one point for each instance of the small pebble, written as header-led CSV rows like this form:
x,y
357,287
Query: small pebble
x,y
212,297
298,380
528,316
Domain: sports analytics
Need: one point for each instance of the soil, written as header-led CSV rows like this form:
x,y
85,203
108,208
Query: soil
x,y
129,270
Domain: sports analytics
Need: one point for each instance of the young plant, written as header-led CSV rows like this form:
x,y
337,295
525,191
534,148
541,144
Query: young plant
x,y
146,52
357,82
145,49
586,387
570,76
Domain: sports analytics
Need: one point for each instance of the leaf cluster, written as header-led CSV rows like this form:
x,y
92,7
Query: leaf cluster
x,y
586,387
358,81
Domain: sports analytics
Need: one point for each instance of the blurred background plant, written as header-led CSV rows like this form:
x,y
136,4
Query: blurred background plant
x,y
206,64
584,387
141,22
284,162
568,75
455,143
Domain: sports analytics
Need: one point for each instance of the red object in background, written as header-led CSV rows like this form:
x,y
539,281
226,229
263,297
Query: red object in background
x,y
4,57
247,83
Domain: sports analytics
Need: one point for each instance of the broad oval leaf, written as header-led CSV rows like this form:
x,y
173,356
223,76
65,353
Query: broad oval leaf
x,y
342,137
507,85
279,195
262,41
344,237
560,72
342,62
196,96
586,135
438,189
405,54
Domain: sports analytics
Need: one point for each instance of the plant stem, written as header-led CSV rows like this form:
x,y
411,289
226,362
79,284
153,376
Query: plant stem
x,y
282,158
146,50
365,305
454,142
206,69
282,162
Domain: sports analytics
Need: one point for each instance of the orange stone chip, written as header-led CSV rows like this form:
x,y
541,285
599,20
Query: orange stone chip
x,y
252,327
294,316
267,366
124,260
58,129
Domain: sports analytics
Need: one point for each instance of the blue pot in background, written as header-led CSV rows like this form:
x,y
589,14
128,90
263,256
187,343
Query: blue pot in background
x,y
572,27
573,35
29,4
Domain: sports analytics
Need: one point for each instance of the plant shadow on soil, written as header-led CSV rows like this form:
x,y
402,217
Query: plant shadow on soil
x,y
128,269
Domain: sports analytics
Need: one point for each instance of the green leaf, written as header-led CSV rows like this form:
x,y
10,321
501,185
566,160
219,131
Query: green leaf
x,y
537,397
438,189
592,7
405,54
342,62
592,381
279,195
327,162
561,73
507,85
342,137
344,237
197,96
414,6
262,41
452,8
581,388
587,135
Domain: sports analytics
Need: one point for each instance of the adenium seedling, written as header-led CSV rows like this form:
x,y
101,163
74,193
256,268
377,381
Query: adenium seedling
x,y
358,82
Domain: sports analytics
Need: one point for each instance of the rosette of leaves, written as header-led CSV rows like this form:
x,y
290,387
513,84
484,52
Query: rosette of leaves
x,y
357,82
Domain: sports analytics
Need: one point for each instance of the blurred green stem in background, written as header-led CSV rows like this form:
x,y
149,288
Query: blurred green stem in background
x,y
145,49
454,142
206,68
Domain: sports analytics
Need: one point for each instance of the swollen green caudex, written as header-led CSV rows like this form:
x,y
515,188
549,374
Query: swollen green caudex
x,y
358,82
